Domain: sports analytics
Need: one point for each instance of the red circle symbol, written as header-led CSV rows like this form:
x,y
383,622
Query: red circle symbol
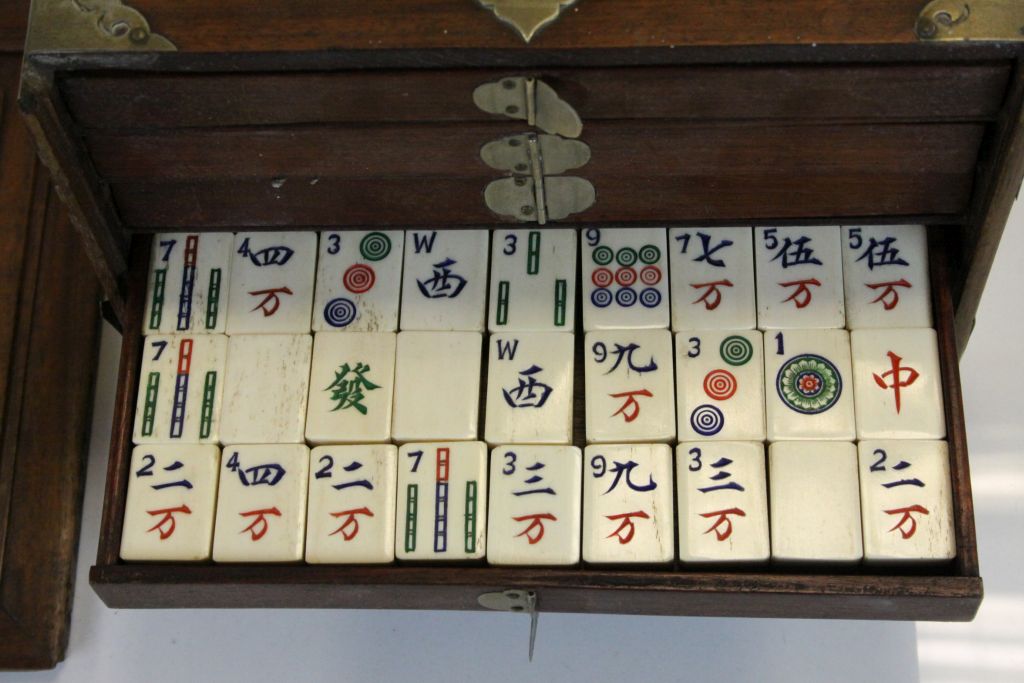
x,y
720,385
650,275
625,276
602,277
359,278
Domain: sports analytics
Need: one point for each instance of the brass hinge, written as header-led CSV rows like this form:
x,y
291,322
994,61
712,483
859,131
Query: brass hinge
x,y
527,16
530,100
518,601
89,25
977,20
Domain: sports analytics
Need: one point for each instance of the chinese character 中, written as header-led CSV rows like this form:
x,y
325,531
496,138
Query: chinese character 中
x,y
898,382
348,392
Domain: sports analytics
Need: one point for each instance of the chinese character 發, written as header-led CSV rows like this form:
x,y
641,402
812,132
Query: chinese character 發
x,y
347,391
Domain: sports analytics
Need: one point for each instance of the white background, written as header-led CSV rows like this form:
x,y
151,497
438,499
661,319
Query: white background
x,y
266,645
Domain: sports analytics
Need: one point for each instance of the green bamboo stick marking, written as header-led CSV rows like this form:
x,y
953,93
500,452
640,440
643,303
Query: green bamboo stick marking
x,y
501,316
533,253
206,414
410,517
157,308
213,299
560,297
149,410
470,516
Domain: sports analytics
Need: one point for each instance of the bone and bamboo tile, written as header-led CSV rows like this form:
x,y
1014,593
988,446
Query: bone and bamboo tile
x,y
885,270
272,276
712,279
358,281
444,281
188,283
799,277
624,276
533,281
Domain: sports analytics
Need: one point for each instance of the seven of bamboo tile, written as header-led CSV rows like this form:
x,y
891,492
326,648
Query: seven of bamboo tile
x,y
801,393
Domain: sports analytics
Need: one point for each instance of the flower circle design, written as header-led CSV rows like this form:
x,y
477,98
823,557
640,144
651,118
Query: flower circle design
x,y
809,384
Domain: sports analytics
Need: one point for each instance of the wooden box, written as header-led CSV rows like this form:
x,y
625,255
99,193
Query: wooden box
x,y
185,114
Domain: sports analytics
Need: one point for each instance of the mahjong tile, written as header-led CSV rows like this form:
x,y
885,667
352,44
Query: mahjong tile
x,y
437,386
722,501
188,283
261,503
720,385
266,387
712,278
536,496
906,501
808,387
624,278
885,269
272,282
799,277
814,501
180,389
629,392
172,493
442,501
897,385
444,282
533,281
627,504
529,388
351,386
358,281
351,513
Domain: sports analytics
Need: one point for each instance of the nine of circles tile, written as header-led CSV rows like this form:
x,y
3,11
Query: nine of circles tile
x,y
624,278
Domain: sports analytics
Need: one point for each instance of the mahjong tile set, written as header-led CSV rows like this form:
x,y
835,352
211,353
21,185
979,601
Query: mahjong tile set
x,y
766,394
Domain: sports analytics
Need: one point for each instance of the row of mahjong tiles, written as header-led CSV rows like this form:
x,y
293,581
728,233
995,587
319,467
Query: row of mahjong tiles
x,y
349,387
691,278
832,502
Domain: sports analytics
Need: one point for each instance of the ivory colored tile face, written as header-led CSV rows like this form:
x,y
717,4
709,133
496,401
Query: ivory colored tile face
x,y
815,501
533,281
442,501
906,501
358,281
261,503
265,389
720,385
625,278
885,269
437,386
627,504
188,283
535,505
712,278
351,515
529,388
808,387
172,492
629,386
271,282
180,389
897,385
351,387
799,277
722,502
444,285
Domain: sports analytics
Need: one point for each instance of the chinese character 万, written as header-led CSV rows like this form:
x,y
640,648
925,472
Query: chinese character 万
x,y
630,409
796,253
882,253
348,392
711,297
723,520
534,531
271,301
889,296
444,283
626,528
907,526
166,525
530,393
801,296
898,381
350,527
259,526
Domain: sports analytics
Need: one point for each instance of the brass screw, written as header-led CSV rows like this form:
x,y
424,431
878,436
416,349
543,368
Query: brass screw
x,y
521,168
138,35
520,182
511,109
508,84
513,142
527,210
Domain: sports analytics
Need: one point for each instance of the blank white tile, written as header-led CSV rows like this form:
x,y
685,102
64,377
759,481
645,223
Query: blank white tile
x,y
442,501
358,281
799,277
624,278
815,502
808,387
533,281
720,385
536,497
172,492
885,270
351,513
272,276
261,503
630,393
351,387
897,385
906,501
265,389
712,278
437,386
722,501
529,388
180,389
444,284
628,515
189,275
